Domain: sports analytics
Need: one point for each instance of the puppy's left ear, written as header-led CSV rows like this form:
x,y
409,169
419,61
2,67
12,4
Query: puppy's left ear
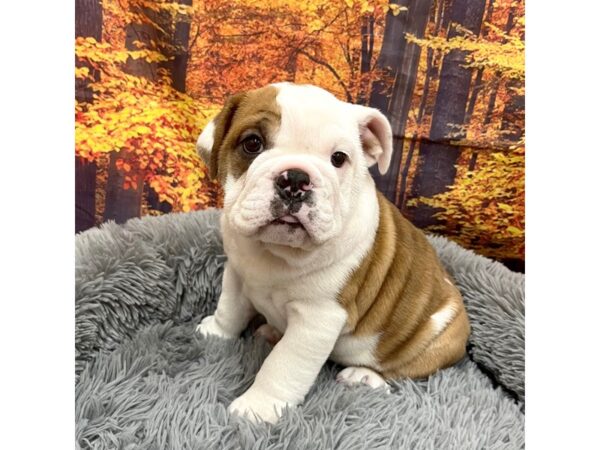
x,y
205,142
375,136
209,142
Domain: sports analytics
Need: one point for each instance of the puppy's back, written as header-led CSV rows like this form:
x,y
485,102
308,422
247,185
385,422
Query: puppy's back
x,y
402,294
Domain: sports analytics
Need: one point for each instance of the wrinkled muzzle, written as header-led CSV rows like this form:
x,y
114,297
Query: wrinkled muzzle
x,y
286,200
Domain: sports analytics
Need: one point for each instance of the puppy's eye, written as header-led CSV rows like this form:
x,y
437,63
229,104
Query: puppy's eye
x,y
252,144
338,159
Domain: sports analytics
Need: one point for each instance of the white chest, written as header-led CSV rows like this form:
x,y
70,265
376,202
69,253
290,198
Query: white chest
x,y
270,302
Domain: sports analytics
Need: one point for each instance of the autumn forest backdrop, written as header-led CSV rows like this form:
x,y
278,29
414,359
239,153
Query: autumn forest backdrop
x,y
449,74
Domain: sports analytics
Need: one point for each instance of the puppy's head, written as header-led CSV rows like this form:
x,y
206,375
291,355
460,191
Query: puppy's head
x,y
293,160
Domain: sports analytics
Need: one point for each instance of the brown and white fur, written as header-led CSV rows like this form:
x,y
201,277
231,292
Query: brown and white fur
x,y
339,275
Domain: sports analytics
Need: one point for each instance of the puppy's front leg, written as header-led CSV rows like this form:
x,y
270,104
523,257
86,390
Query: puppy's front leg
x,y
234,310
294,363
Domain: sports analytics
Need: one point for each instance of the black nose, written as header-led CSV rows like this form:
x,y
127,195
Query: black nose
x,y
293,184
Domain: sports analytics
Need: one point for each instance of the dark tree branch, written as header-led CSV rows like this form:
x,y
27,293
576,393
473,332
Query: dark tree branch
x,y
331,69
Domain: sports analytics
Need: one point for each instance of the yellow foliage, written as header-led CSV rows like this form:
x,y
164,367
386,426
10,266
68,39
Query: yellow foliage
x,y
485,209
243,45
156,125
396,9
505,55
82,72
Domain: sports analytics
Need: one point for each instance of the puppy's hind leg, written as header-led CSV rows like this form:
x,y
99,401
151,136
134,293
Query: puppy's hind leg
x,y
271,335
361,375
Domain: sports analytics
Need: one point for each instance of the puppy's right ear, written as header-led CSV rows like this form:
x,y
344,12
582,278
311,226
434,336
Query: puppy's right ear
x,y
210,140
376,137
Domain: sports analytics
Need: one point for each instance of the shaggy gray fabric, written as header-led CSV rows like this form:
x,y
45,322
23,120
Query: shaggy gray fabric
x,y
145,380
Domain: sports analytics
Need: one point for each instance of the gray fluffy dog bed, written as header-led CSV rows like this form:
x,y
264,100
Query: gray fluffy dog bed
x,y
145,380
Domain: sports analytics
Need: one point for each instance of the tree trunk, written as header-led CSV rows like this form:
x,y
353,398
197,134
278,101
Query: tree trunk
x,y
123,204
430,71
399,60
494,88
447,6
88,23
400,198
477,85
177,68
366,53
291,66
513,117
85,194
486,120
437,156
514,111
181,38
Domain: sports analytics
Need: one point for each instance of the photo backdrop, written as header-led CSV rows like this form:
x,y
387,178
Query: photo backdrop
x,y
449,75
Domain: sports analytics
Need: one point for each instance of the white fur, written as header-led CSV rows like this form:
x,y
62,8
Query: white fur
x,y
233,313
209,327
376,133
442,318
361,375
350,350
294,277
205,141
292,366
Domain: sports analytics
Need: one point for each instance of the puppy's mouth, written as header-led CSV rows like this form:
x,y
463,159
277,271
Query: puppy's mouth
x,y
289,220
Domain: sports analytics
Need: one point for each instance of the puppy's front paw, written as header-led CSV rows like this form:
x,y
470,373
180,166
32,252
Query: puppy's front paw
x,y
362,375
209,327
257,407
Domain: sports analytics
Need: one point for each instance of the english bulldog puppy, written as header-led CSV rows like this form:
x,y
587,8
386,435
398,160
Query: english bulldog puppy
x,y
332,265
